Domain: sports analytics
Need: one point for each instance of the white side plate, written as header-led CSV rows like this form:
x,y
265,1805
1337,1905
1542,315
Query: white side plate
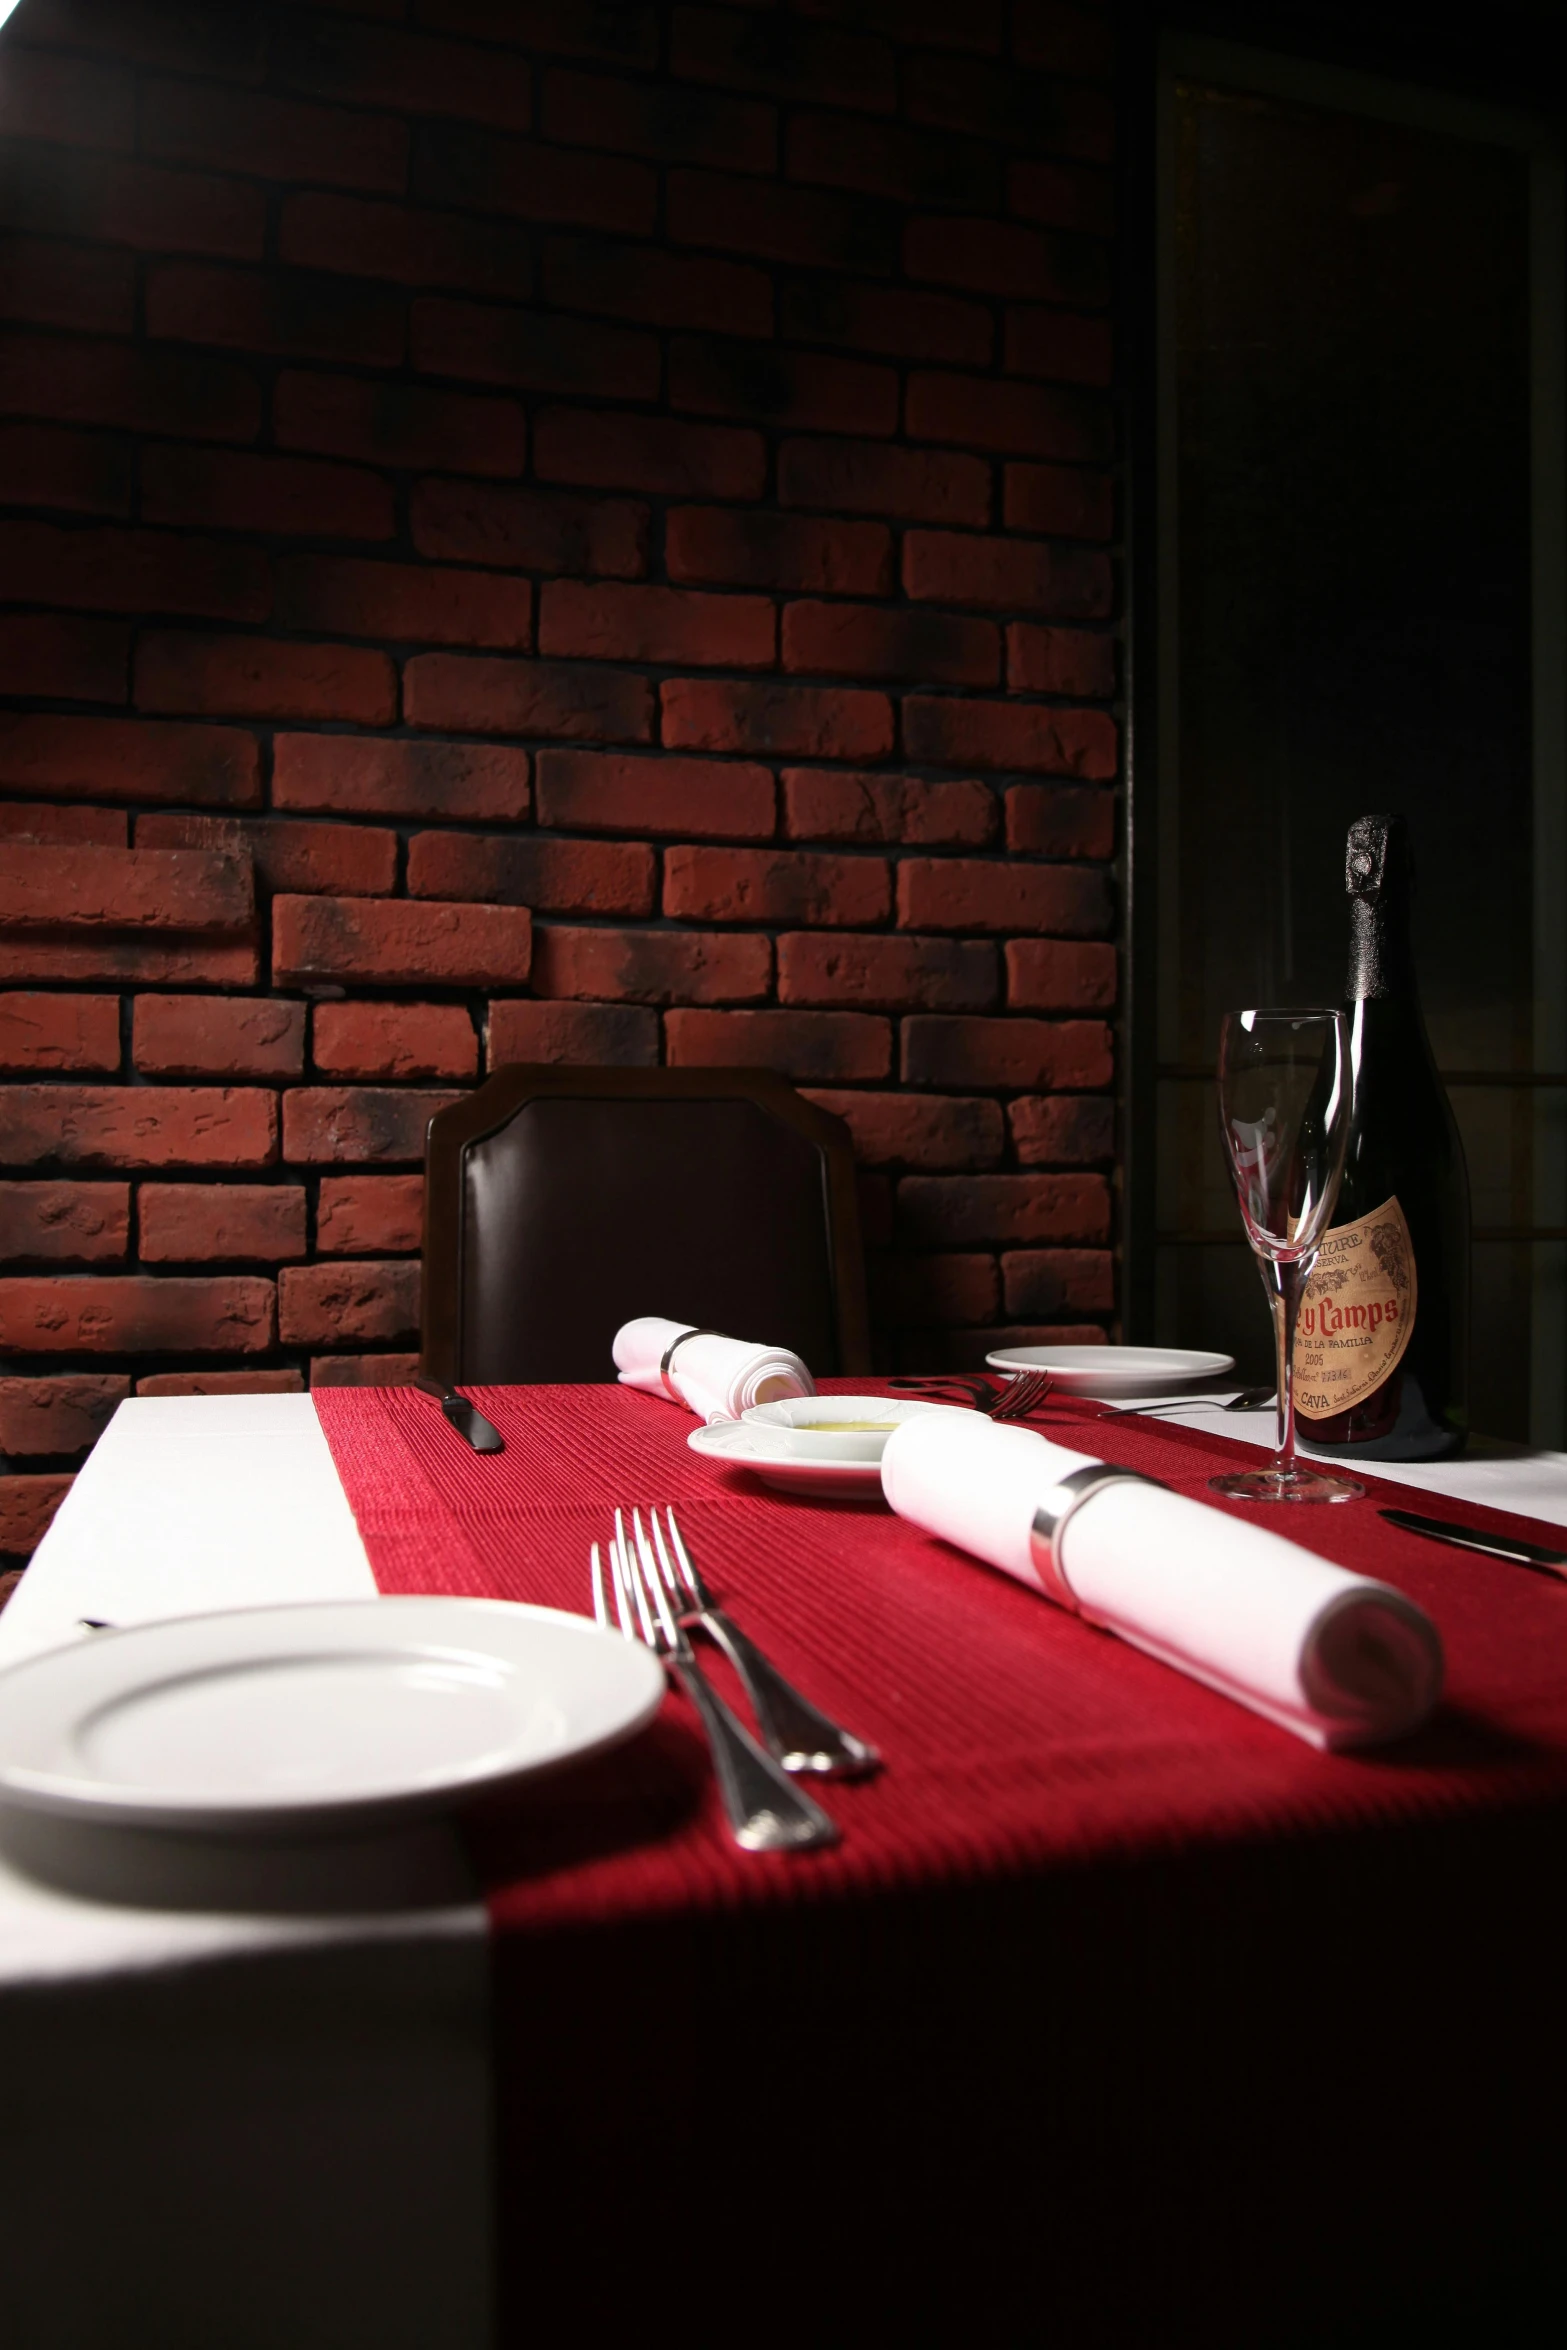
x,y
1114,1370
269,1721
762,1450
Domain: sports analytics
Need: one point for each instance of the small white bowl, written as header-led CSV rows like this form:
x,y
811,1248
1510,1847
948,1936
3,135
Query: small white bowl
x,y
832,1427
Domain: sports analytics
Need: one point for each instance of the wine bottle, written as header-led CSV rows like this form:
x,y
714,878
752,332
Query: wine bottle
x,y
1382,1345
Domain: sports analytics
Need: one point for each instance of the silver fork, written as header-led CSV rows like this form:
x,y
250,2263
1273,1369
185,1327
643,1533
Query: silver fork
x,y
802,1737
1023,1390
767,1812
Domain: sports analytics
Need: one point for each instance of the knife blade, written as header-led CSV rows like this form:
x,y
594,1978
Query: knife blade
x,y
1498,1546
470,1424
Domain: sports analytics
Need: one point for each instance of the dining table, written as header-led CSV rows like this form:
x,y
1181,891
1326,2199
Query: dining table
x,y
1114,2007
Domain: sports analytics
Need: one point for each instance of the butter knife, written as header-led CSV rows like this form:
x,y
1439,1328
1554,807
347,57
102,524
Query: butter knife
x,y
1496,1546
470,1424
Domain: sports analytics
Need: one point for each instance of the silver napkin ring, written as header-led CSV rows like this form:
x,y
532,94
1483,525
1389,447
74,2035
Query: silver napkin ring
x,y
669,1356
1056,1512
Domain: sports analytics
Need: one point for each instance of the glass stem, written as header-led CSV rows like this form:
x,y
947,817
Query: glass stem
x,y
1288,1283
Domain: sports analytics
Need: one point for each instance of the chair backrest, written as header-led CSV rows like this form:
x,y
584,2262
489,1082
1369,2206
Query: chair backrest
x,y
561,1202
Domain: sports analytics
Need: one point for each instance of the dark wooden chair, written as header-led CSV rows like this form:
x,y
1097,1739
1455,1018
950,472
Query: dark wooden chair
x,y
560,1202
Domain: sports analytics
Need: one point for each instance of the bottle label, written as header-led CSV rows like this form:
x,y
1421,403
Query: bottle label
x,y
1357,1314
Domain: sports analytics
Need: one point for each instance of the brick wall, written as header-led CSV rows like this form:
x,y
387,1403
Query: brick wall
x,y
540,529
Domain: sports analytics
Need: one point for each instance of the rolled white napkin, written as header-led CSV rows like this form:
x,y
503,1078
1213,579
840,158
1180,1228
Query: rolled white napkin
x,y
717,1378
1335,1657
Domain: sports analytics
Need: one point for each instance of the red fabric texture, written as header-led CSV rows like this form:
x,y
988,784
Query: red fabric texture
x,y
1014,1736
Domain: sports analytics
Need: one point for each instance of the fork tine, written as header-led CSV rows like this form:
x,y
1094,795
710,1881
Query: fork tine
x,y
633,1581
688,1573
652,1579
667,1571
600,1609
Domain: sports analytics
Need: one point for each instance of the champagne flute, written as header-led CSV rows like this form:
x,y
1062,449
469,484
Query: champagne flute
x,y
1284,1112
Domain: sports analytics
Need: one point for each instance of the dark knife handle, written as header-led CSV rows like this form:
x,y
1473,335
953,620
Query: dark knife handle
x,y
470,1423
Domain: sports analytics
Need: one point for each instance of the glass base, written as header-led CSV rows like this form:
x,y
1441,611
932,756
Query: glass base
x,y
1295,1484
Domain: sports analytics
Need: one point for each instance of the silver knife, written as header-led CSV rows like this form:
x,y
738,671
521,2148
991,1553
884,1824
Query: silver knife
x,y
1496,1546
470,1424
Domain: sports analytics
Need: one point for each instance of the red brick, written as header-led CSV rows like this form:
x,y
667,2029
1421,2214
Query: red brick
x,y
1060,975
478,173
976,893
527,697
919,1130
67,660
48,282
465,782
1026,735
1065,40
370,1125
323,1303
116,201
877,640
393,1040
890,974
1017,419
824,803
48,887
713,799
905,165
954,567
536,530
379,1370
369,1215
406,244
1001,257
819,1046
908,1289
969,1349
556,876
134,1313
274,138
1009,1053
657,288
621,623
1061,346
1062,1130
980,26
398,425
1063,195
47,96
221,1383
1060,661
259,677
817,722
613,1036
1059,1281
388,942
914,485
217,1036
139,1125
775,885
79,472
777,551
275,311
27,1507
72,380
67,1223
961,1211
407,602
894,320
664,121
352,860
59,1032
39,1417
228,44
802,390
298,496
406,72
652,966
103,828
780,57
626,36
537,350
657,453
1004,102
1061,500
1060,820
129,759
129,958
195,1223
132,571
804,227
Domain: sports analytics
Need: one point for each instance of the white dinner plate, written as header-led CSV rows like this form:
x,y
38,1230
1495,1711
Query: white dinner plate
x,y
268,1721
1114,1370
745,1446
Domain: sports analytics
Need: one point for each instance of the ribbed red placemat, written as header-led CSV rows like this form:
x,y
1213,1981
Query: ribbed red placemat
x,y
1014,1736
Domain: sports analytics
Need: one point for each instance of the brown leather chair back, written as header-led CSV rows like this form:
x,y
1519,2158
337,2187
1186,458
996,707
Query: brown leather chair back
x,y
561,1202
